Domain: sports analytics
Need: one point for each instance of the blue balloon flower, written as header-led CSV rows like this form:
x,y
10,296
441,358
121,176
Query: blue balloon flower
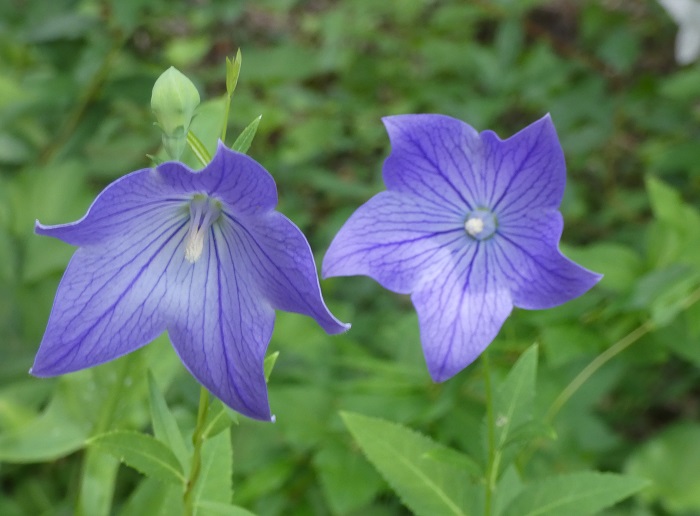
x,y
469,226
203,255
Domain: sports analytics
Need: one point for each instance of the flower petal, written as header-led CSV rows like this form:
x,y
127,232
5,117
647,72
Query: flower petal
x,y
113,297
688,43
527,171
119,209
435,157
526,250
681,11
234,178
278,256
398,239
461,311
223,325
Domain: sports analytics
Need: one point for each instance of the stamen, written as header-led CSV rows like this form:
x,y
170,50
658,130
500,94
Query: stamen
x,y
481,224
203,213
474,226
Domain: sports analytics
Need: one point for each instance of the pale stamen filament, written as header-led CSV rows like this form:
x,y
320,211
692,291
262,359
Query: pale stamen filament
x,y
203,214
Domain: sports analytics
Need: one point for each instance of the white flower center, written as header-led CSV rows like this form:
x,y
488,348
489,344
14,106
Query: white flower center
x,y
203,213
480,224
474,226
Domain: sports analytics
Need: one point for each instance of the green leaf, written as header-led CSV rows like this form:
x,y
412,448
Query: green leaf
x,y
666,203
153,498
620,265
97,482
164,425
242,143
219,418
424,485
457,459
58,431
221,509
349,482
575,494
198,149
671,461
215,482
270,364
143,453
513,401
233,70
531,430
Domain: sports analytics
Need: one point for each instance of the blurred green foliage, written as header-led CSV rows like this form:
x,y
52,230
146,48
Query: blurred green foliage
x,y
74,114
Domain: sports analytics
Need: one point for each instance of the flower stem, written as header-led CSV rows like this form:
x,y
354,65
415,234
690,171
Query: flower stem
x,y
492,468
608,355
224,127
198,148
197,440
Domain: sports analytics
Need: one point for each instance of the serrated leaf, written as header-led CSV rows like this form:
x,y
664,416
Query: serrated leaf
x,y
242,143
575,494
142,452
164,425
455,458
514,398
425,486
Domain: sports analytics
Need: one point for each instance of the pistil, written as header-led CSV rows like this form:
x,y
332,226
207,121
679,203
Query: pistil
x,y
204,211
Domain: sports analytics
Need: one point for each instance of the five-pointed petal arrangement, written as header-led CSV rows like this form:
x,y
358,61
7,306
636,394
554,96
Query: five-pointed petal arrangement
x,y
686,14
203,255
469,226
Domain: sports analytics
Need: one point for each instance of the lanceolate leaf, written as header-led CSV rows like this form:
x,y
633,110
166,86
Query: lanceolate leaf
x,y
242,143
576,494
143,453
513,401
164,425
426,486
215,482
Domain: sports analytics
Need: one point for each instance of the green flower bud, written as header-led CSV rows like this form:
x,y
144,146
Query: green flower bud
x,y
173,102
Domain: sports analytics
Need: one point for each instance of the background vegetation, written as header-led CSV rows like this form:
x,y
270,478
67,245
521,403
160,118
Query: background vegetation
x,y
75,84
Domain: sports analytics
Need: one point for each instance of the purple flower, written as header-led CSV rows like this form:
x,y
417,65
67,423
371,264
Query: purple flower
x,y
469,226
203,255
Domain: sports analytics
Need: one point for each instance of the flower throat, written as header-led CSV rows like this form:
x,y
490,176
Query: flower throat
x,y
204,211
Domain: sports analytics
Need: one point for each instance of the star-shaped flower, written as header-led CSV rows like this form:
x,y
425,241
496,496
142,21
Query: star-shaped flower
x,y
469,226
686,14
203,255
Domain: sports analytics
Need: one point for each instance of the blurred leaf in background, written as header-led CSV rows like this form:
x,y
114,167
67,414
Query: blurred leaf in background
x,y
74,114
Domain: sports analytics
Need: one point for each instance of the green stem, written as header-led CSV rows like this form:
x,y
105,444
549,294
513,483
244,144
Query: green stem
x,y
226,114
492,469
197,440
198,148
608,355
